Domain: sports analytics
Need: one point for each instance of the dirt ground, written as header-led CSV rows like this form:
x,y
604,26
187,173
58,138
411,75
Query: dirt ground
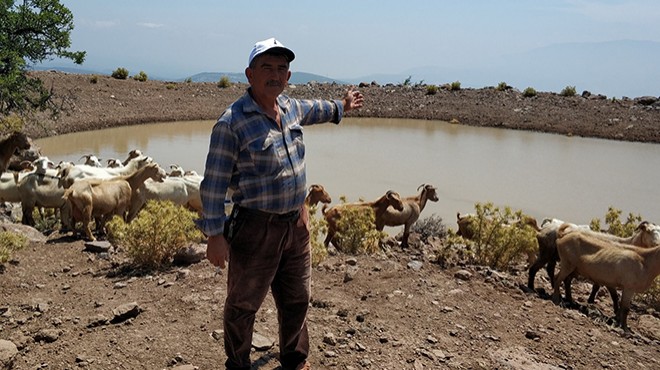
x,y
66,305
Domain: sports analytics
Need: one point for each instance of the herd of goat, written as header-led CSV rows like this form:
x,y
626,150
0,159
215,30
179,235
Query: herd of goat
x,y
94,192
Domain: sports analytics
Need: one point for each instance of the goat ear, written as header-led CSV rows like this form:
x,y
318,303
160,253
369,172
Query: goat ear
x,y
644,225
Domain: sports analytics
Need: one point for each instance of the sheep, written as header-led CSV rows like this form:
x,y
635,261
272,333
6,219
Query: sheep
x,y
316,195
9,145
646,235
608,263
103,198
546,238
176,171
92,160
379,206
69,173
114,163
412,208
182,190
42,190
9,182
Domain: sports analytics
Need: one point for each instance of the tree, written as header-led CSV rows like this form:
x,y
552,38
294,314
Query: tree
x,y
31,31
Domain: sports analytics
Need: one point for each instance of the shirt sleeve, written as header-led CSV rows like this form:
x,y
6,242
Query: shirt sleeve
x,y
220,162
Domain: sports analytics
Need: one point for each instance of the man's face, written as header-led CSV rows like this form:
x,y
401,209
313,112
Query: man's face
x,y
269,75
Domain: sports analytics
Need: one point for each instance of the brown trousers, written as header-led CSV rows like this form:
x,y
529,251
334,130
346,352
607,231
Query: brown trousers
x,y
267,253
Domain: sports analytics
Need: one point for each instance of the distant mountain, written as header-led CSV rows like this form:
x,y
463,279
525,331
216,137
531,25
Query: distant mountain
x,y
296,77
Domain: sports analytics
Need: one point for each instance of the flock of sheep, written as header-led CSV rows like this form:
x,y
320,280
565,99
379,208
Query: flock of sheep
x,y
91,191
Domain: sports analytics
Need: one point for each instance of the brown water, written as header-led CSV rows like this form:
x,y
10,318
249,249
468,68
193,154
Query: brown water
x,y
571,178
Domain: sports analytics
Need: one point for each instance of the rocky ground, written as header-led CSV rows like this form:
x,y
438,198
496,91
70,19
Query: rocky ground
x,y
67,305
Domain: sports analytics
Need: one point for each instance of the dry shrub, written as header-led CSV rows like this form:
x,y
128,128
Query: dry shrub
x,y
9,243
501,236
158,232
317,228
357,232
429,227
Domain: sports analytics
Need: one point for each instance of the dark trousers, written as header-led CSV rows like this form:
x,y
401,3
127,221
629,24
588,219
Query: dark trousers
x,y
268,253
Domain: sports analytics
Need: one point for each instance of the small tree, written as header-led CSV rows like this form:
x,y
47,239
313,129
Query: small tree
x,y
568,91
31,31
141,77
120,73
357,232
529,92
224,82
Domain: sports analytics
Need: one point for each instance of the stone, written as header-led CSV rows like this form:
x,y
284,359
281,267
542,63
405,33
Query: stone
x,y
8,352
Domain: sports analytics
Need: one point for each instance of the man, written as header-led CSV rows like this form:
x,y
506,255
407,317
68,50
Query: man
x,y
257,153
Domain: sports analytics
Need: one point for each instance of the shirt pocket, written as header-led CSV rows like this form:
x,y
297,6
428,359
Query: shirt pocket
x,y
297,140
263,155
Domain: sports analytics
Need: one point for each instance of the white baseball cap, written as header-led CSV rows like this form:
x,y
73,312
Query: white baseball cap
x,y
270,45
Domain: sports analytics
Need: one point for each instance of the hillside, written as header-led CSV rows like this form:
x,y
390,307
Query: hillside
x,y
399,309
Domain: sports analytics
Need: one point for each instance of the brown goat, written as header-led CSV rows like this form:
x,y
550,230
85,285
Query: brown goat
x,y
379,206
104,198
412,208
607,263
8,146
316,195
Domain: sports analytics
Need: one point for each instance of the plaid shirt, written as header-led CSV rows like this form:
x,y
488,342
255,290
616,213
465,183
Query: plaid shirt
x,y
260,165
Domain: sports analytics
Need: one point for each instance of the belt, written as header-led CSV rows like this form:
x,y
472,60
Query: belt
x,y
268,216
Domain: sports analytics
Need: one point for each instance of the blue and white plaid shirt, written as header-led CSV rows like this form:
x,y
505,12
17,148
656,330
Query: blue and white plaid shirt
x,y
262,165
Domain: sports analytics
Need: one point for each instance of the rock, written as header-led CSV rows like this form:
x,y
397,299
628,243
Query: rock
x,y
415,265
8,352
262,343
125,312
185,367
463,275
33,235
99,247
649,326
194,253
47,335
99,320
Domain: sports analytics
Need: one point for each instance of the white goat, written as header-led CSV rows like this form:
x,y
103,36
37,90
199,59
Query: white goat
x,y
412,208
176,171
607,263
68,174
379,206
182,190
114,163
92,160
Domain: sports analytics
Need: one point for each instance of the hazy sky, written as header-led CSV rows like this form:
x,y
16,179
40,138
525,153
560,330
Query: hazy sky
x,y
343,39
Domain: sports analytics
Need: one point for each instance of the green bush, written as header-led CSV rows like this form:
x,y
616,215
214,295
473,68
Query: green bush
x,y
188,80
9,243
615,226
141,77
501,237
357,232
407,81
568,91
529,92
120,73
502,86
224,82
431,90
454,86
12,122
170,86
158,232
94,79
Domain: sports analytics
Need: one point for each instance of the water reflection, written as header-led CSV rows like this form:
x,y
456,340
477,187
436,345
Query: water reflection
x,y
545,175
